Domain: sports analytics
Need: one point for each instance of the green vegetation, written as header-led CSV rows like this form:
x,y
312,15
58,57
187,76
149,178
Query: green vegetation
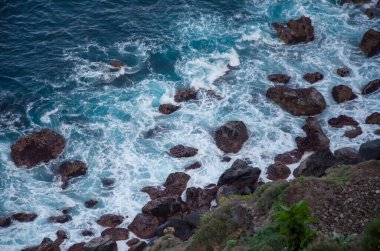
x,y
371,238
266,240
269,195
339,174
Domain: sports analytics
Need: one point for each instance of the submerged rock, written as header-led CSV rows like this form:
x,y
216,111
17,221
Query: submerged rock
x,y
231,136
181,151
168,108
290,157
116,234
279,78
90,203
38,147
298,102
370,150
313,77
70,170
100,243
341,121
353,133
374,119
315,140
24,217
185,95
316,164
278,171
371,87
343,72
144,226
370,43
347,156
296,31
343,93
110,220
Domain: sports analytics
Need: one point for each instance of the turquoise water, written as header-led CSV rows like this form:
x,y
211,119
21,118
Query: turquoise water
x,y
54,73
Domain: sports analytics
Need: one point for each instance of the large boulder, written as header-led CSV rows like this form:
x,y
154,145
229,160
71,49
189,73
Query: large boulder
x,y
110,220
116,233
185,95
70,170
371,87
289,157
231,136
347,156
144,226
370,150
296,31
370,43
100,244
374,118
298,102
315,139
181,151
39,147
353,133
279,78
316,164
168,108
342,120
278,171
226,191
163,207
343,93
313,77
182,229
197,198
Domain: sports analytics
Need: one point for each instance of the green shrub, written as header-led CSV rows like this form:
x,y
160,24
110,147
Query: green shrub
x,y
371,238
266,240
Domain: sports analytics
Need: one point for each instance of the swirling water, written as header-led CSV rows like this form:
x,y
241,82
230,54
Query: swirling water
x,y
54,73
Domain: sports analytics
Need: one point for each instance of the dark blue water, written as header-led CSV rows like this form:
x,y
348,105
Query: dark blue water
x,y
54,73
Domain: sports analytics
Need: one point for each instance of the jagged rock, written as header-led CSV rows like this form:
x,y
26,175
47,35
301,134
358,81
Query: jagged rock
x,y
315,139
90,203
70,170
290,157
197,198
370,43
87,233
48,245
374,118
144,226
353,133
77,247
168,108
298,102
316,164
38,147
5,222
347,156
296,31
343,93
313,77
371,87
343,72
195,165
185,95
163,207
110,220
116,234
278,171
231,136
181,151
370,150
279,78
100,244
24,217
182,229
60,218
342,120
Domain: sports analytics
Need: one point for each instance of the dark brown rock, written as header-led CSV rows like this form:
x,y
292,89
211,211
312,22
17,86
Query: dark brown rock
x,y
181,151
90,203
107,182
100,243
343,93
226,159
371,87
197,198
38,147
370,150
315,139
231,136
296,31
341,121
60,218
144,226
279,78
116,63
132,242
77,247
298,102
163,207
226,191
110,220
5,222
290,157
316,164
370,43
185,95
87,233
168,108
182,229
377,132
353,133
343,72
48,245
195,165
278,171
374,119
140,246
116,234
368,12
69,170
24,217
313,77
347,156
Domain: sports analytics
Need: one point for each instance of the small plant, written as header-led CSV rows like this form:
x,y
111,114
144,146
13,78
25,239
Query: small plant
x,y
231,244
293,225
267,239
371,238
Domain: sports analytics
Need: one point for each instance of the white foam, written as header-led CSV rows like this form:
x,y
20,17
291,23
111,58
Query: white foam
x,y
46,117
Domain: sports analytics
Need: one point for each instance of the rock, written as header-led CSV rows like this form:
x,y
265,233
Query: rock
x,y
168,108
24,217
378,4
368,12
110,220
116,64
5,222
343,93
60,218
140,246
295,31
182,229
163,207
38,147
370,150
70,170
185,95
226,191
226,159
377,132
298,102
194,218
34,248
279,78
195,165
353,133
197,198
48,245
61,235
370,43
315,139
347,156
107,182
231,136
290,157
144,225
100,244
316,164
132,242
116,234
90,203
87,233
341,121
181,151
240,175
278,171
77,247
371,87
343,72
374,118
313,77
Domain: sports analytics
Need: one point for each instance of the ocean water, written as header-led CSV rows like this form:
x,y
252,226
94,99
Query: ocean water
x,y
54,73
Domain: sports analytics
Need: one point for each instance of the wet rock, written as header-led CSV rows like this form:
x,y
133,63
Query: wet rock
x,y
90,203
132,242
197,198
371,87
298,102
377,132
370,43
24,217
116,64
295,31
370,150
343,93
116,234
100,243
60,218
279,78
140,246
278,171
87,233
226,159
34,248
195,165
313,77
347,156
353,133
107,182
110,220
70,170
343,72
231,136
182,229
368,12
163,207
144,226
185,95
168,108
342,120
315,139
316,164
38,147
374,118
5,221
77,247
181,151
48,245
290,157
